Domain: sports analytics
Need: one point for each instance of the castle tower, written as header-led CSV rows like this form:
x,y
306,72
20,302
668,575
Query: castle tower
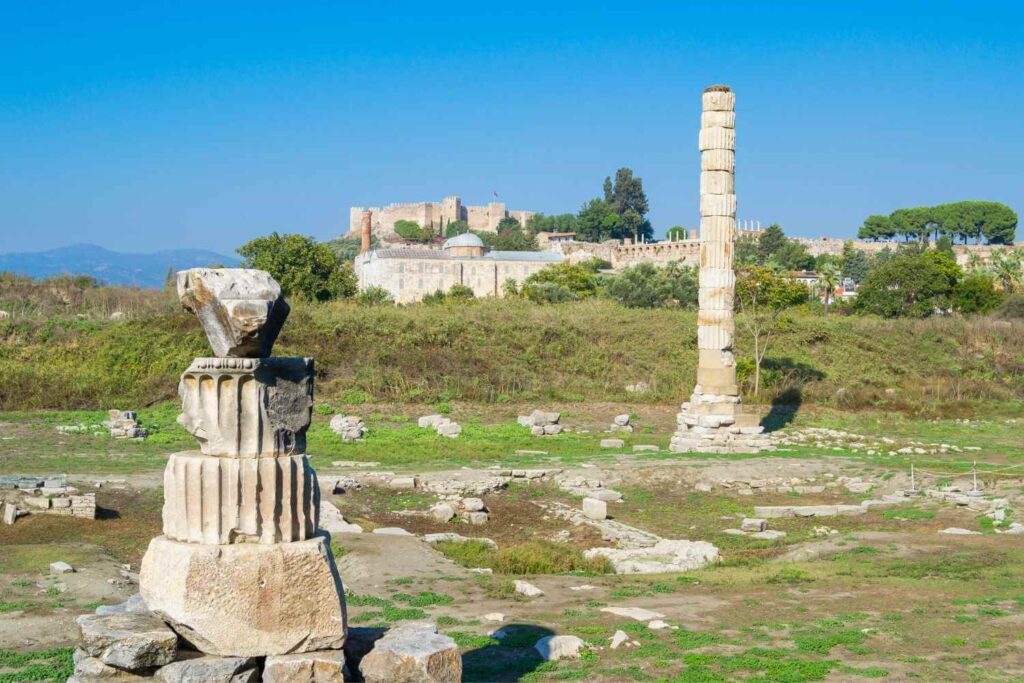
x,y
713,421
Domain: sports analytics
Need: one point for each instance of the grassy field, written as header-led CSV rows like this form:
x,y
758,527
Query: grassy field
x,y
509,351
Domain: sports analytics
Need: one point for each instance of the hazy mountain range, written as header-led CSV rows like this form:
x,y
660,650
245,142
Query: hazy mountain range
x,y
111,267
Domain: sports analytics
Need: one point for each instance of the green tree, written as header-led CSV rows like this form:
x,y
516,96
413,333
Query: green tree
x,y
411,230
538,222
771,240
575,278
762,299
647,286
676,233
347,248
976,293
455,228
829,278
509,236
746,250
853,263
302,266
876,228
626,198
994,221
912,282
912,224
1008,268
597,222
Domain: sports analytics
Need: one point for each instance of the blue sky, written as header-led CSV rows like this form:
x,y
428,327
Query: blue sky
x,y
207,124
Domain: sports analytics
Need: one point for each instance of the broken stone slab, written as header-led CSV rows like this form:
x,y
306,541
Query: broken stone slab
x,y
621,420
61,568
540,418
595,509
442,512
475,518
957,531
391,531
247,599
474,505
241,311
528,589
663,557
431,421
10,513
768,535
753,524
324,666
414,653
133,605
457,538
209,669
617,639
612,443
333,521
636,613
553,648
645,448
450,430
90,670
607,495
349,427
402,483
133,642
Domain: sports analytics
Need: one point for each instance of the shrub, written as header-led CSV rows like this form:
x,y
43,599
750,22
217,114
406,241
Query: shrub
x,y
374,296
411,230
461,292
1013,307
548,293
302,266
578,279
976,293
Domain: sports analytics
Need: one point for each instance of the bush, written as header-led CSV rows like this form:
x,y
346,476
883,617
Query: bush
x,y
302,266
461,292
374,296
1013,307
646,286
576,279
548,293
976,293
411,230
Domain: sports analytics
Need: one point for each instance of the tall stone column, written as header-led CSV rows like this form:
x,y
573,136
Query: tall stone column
x,y
713,421
242,568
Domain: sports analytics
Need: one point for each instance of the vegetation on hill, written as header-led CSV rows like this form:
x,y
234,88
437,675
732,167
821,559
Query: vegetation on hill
x,y
994,222
62,351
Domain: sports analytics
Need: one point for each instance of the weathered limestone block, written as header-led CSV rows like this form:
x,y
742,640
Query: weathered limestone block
x,y
133,605
247,600
718,98
595,509
717,277
92,670
718,160
349,427
247,407
718,204
720,298
718,119
241,311
716,138
717,229
233,500
205,669
717,182
133,642
325,666
413,653
718,255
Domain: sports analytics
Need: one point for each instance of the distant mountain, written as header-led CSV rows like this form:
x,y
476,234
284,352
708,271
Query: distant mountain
x,y
111,267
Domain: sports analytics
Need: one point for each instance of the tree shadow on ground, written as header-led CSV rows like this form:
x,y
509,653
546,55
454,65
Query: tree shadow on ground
x,y
510,659
792,376
107,513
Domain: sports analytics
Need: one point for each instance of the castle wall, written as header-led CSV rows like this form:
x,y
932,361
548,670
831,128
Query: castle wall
x,y
440,213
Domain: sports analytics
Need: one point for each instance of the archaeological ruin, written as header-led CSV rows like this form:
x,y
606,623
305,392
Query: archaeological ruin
x,y
436,214
713,420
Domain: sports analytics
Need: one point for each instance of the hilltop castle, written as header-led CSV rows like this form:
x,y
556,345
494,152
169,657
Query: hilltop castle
x,y
437,214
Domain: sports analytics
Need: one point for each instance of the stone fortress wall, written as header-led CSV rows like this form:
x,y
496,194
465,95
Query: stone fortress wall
x,y
438,214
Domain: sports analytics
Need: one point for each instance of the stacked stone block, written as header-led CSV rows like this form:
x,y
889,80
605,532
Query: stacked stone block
x,y
713,419
241,569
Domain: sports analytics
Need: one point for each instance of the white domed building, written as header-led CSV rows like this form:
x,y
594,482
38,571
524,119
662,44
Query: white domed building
x,y
410,273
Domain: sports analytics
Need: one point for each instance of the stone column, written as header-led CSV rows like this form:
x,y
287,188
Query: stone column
x,y
713,420
366,228
242,568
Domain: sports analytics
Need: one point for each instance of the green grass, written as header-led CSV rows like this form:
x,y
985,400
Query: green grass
x,y
530,557
45,665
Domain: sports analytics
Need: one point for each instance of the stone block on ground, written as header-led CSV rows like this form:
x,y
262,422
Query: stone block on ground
x,y
207,669
333,521
553,648
539,418
325,666
612,443
10,513
241,310
621,420
528,589
349,427
664,556
753,524
61,568
413,653
645,448
247,599
133,605
133,642
92,670
595,509
442,512
473,505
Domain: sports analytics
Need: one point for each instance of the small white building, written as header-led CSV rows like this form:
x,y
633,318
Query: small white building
x,y
410,273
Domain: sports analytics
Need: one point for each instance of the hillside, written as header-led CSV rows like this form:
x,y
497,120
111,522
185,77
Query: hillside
x,y
110,267
496,351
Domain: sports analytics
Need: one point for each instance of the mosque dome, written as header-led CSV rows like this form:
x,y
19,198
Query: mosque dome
x,y
466,239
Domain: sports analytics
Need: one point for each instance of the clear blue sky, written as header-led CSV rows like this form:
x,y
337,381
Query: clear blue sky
x,y
159,125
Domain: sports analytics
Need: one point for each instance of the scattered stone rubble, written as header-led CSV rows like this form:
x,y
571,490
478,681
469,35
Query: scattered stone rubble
x,y
413,652
349,427
22,495
620,423
542,423
124,424
441,424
